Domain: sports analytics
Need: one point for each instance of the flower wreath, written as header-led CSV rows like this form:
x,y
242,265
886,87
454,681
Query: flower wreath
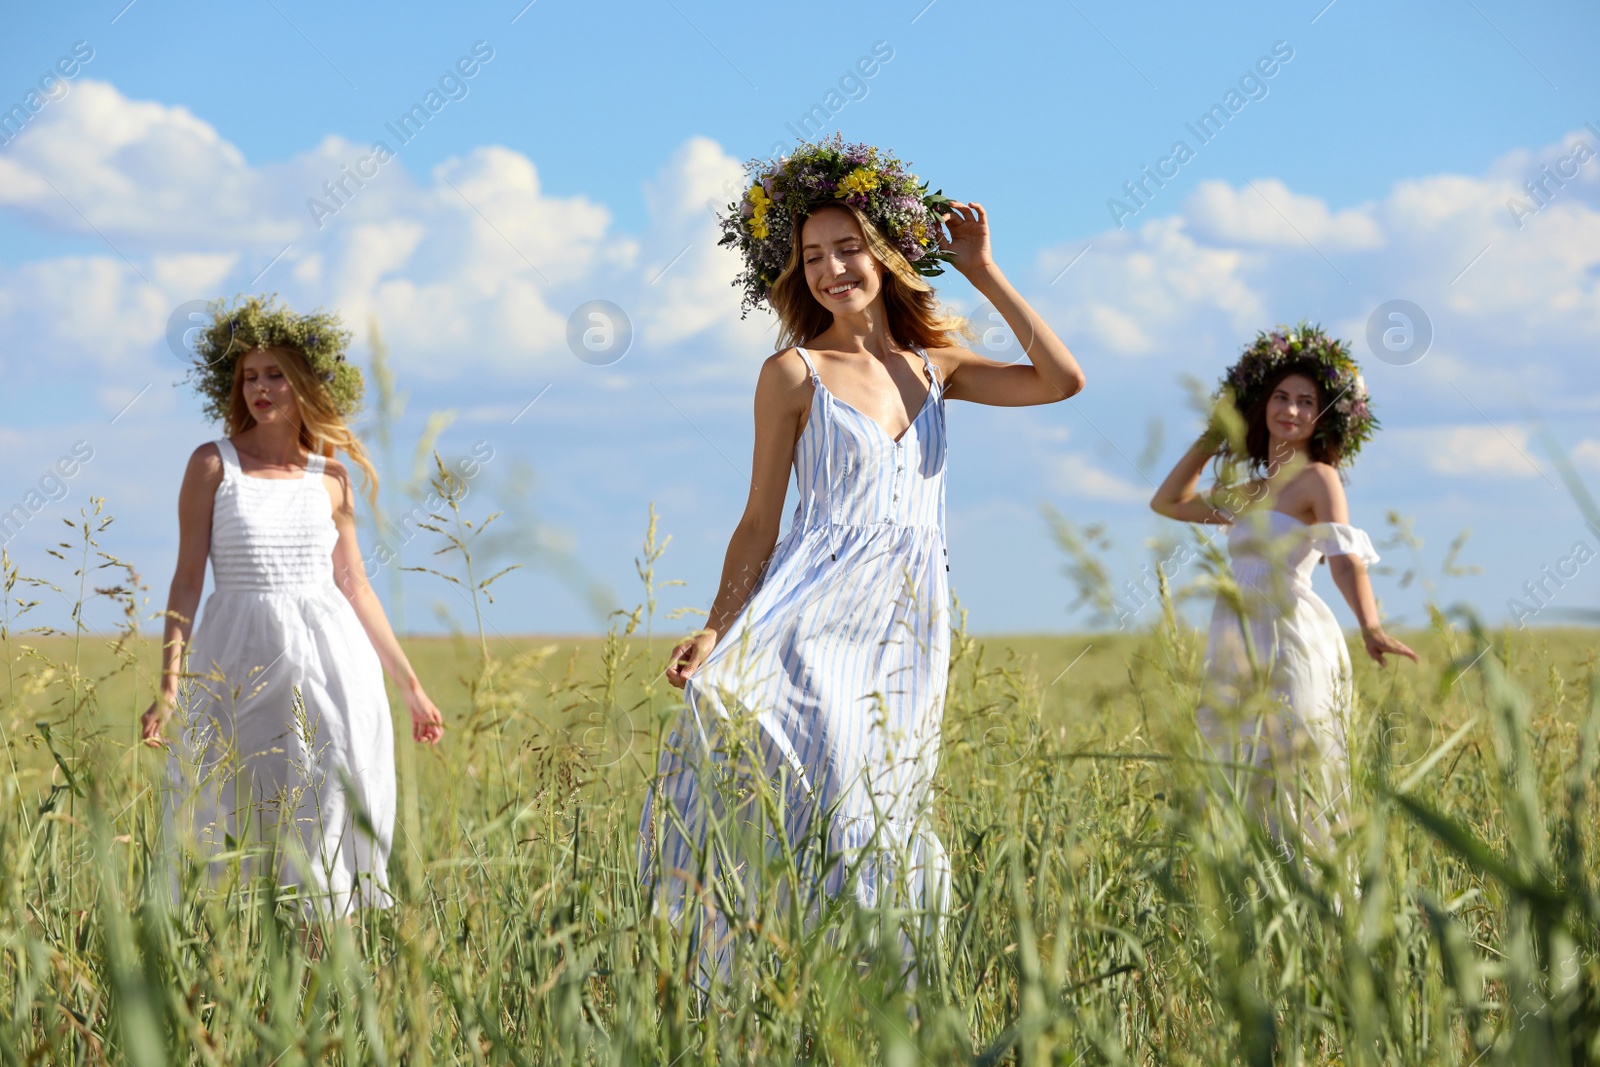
x,y
761,223
256,322
1347,422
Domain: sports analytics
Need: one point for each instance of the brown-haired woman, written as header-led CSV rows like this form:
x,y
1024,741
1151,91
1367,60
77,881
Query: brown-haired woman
x,y
286,743
1278,677
828,652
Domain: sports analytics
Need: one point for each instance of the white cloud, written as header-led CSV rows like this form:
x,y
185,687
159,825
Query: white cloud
x,y
1266,212
1077,475
144,172
1473,450
686,274
479,266
1515,310
1150,291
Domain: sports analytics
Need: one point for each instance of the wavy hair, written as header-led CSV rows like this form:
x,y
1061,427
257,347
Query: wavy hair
x,y
322,429
1258,438
915,315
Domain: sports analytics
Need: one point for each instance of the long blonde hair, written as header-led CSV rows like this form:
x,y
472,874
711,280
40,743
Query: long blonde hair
x,y
321,429
915,315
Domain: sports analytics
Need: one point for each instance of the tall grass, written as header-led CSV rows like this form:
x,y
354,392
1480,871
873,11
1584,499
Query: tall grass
x,y
1111,902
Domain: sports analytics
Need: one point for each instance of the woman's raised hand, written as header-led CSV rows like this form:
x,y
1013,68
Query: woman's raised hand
x,y
969,236
688,656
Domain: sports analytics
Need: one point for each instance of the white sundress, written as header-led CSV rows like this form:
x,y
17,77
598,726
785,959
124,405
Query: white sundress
x,y
836,671
316,793
1289,643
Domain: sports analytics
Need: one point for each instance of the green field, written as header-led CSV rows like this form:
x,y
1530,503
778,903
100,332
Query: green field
x,y
1101,913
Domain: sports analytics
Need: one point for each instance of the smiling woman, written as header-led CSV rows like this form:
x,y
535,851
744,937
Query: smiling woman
x,y
1277,696
814,697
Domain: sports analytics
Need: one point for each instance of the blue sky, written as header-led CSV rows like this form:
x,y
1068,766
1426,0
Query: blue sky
x,y
1375,164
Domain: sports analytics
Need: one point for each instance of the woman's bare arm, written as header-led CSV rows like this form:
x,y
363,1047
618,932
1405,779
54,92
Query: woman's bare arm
x,y
196,499
1328,504
1051,373
350,574
1178,497
782,393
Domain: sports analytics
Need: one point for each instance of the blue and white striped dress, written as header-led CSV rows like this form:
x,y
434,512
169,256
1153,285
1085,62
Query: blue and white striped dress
x,y
829,684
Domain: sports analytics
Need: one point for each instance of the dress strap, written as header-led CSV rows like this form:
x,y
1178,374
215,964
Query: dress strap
x,y
315,465
230,457
810,366
933,368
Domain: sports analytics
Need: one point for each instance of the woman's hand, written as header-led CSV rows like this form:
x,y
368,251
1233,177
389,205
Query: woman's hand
x,y
688,656
427,725
1379,644
969,236
152,721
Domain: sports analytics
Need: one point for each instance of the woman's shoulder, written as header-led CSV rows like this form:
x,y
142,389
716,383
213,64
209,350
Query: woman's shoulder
x,y
1320,476
949,357
786,366
206,459
1318,488
205,472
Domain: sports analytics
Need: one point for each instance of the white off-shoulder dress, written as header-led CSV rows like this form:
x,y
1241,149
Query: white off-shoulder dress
x,y
1280,641
310,794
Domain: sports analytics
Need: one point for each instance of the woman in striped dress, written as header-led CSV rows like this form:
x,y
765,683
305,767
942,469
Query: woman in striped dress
x,y
814,695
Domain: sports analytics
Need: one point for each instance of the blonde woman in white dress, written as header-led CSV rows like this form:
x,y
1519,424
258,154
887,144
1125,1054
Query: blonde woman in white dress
x,y
1304,413
285,740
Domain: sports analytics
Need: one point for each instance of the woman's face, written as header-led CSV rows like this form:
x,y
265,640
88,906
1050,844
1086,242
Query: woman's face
x,y
266,389
841,273
1292,409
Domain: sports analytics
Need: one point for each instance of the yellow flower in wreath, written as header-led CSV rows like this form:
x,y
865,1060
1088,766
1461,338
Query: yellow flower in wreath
x,y
859,181
759,202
